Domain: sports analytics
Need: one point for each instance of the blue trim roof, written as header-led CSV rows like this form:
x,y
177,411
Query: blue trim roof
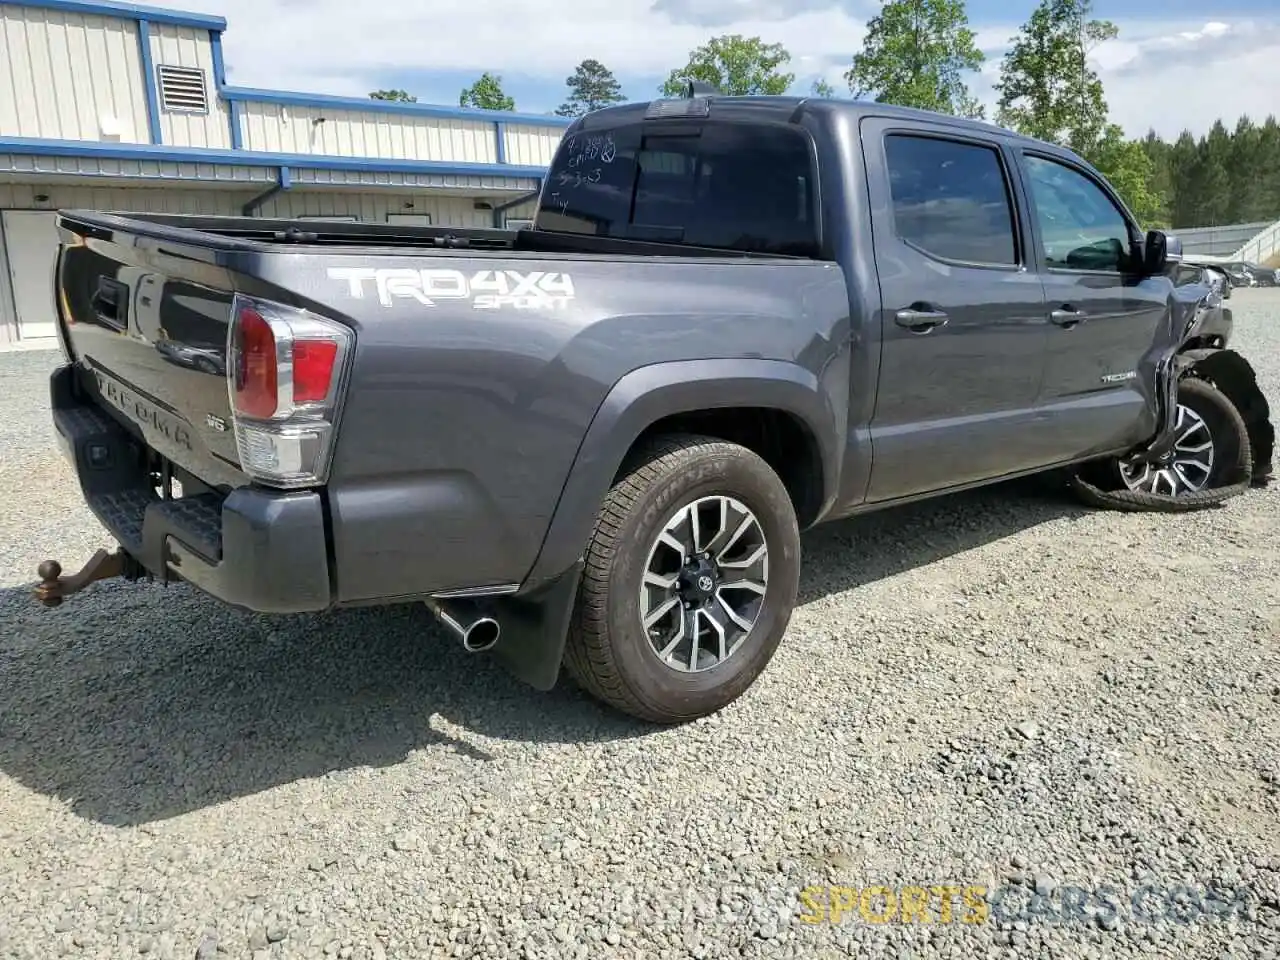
x,y
130,11
368,104
250,158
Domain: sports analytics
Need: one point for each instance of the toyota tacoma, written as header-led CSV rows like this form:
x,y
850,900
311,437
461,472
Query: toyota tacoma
x,y
593,444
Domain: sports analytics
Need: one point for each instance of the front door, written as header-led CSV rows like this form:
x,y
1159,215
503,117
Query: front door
x,y
963,320
1105,315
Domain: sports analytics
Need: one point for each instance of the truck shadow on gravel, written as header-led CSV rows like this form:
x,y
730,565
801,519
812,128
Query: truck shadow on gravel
x,y
136,703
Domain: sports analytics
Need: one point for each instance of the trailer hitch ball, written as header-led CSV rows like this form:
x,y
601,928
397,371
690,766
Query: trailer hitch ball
x,y
53,587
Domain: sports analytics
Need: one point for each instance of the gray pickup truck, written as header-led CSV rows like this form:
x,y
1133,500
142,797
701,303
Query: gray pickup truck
x,y
593,443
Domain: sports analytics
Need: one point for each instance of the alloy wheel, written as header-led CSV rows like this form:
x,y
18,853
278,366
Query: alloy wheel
x,y
1186,469
704,584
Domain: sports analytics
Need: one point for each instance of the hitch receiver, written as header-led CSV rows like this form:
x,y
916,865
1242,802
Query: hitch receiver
x,y
54,587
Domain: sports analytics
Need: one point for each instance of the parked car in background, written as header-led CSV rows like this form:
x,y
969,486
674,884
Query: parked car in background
x,y
1239,274
1263,276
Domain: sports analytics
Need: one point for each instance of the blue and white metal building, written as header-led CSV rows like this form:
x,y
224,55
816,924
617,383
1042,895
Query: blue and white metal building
x,y
116,106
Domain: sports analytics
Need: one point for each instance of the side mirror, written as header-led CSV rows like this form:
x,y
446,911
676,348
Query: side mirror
x,y
1160,251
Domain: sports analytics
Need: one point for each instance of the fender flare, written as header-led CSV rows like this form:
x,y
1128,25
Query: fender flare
x,y
650,393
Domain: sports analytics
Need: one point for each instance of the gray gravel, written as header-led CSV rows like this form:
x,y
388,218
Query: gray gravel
x,y
998,689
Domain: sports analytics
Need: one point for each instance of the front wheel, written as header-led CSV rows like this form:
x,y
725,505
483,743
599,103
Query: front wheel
x,y
1211,460
690,579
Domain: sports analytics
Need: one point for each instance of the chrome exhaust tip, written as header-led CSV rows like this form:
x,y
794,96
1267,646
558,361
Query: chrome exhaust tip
x,y
477,634
481,635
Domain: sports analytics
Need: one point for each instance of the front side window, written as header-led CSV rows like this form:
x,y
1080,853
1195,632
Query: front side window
x,y
1080,228
745,187
951,200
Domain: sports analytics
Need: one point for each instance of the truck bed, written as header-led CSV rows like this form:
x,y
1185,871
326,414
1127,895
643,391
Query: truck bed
x,y
257,233
459,415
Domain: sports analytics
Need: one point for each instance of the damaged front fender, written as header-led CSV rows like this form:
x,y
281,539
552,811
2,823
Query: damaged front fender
x,y
1232,374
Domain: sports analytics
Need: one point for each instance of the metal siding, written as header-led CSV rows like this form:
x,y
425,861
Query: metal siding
x,y
188,47
280,128
35,165
22,196
66,71
421,181
374,207
531,146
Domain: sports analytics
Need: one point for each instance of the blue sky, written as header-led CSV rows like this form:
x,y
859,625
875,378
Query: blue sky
x,y
1176,63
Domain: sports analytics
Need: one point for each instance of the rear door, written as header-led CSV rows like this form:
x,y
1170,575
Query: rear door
x,y
963,318
1104,315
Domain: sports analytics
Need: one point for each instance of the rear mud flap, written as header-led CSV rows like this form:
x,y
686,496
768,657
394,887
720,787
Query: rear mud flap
x,y
1235,378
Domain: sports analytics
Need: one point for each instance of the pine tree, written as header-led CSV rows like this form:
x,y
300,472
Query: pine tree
x,y
591,87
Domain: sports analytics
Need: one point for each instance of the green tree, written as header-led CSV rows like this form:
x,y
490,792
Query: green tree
x,y
1242,172
915,54
1212,179
1129,169
1046,88
398,95
822,89
736,65
591,87
1267,190
1159,154
486,94
1182,171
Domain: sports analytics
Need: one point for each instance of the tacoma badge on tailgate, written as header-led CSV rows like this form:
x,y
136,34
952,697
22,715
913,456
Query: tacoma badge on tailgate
x,y
152,419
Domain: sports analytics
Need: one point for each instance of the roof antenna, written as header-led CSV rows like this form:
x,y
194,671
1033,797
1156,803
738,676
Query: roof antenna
x,y
696,88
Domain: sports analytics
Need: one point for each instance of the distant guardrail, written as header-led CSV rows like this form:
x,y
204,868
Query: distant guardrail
x,y
1262,246
1222,241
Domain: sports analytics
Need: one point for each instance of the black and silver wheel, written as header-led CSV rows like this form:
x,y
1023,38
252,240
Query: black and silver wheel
x,y
704,583
1211,460
690,579
1188,467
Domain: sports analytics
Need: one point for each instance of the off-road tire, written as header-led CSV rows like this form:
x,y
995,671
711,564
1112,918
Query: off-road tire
x,y
1100,485
608,653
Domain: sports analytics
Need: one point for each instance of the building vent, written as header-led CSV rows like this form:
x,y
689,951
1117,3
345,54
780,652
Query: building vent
x,y
182,89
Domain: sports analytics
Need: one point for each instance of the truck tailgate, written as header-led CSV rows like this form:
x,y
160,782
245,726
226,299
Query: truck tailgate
x,y
146,323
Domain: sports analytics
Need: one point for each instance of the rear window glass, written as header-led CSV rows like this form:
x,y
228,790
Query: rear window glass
x,y
950,199
735,186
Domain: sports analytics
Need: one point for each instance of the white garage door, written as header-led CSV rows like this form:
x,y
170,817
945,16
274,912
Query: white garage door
x,y
31,243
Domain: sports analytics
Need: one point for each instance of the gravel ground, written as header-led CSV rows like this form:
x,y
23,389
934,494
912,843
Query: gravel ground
x,y
995,690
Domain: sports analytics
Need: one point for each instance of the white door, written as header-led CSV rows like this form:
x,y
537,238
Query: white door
x,y
31,243
410,219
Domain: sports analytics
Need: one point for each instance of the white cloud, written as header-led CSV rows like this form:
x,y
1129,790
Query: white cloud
x,y
1164,74
286,43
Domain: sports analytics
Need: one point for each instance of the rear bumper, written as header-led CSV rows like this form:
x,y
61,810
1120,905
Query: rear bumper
x,y
258,549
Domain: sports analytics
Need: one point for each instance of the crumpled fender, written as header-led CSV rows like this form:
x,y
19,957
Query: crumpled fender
x,y
1232,374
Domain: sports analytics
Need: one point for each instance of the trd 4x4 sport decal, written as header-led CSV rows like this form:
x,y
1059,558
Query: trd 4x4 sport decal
x,y
485,289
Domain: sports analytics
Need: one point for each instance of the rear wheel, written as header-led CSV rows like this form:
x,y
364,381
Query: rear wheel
x,y
691,576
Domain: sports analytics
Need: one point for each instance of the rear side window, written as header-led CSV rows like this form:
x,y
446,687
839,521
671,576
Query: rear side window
x,y
951,200
746,187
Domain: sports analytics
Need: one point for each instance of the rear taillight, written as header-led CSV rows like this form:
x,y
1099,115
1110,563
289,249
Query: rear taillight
x,y
285,370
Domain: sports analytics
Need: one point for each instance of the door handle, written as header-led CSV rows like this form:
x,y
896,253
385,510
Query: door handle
x,y
920,321
1067,317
